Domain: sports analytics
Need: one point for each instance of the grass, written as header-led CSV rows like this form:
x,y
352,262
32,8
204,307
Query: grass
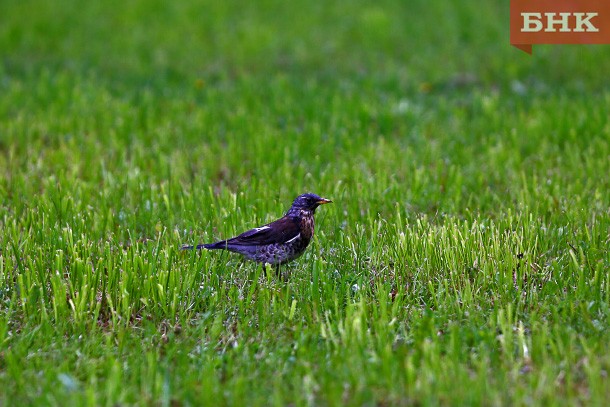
x,y
465,260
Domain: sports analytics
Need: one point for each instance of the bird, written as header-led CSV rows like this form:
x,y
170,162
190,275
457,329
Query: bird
x,y
278,242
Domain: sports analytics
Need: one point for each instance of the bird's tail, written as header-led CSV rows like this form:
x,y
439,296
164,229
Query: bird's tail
x,y
209,246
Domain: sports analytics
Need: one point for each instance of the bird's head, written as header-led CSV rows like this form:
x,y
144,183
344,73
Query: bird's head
x,y
308,202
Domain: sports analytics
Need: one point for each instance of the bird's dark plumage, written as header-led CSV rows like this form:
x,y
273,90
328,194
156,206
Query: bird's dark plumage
x,y
277,242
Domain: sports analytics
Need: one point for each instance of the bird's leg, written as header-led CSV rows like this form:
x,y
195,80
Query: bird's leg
x,y
282,273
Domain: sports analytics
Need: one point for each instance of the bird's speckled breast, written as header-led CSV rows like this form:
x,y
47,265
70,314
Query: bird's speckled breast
x,y
307,225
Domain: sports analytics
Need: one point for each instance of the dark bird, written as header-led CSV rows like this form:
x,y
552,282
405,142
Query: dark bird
x,y
277,242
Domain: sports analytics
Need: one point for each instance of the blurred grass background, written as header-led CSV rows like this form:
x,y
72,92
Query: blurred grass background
x,y
465,259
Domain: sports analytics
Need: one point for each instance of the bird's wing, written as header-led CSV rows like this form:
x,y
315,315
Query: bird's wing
x,y
280,231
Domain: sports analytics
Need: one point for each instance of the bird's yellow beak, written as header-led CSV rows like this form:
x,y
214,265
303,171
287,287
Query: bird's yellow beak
x,y
324,201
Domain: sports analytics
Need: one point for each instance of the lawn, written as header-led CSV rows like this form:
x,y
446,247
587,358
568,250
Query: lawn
x,y
465,259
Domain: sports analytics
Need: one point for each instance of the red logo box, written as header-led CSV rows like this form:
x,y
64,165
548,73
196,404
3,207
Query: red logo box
x,y
559,22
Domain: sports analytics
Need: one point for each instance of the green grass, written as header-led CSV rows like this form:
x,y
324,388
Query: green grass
x,y
465,260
